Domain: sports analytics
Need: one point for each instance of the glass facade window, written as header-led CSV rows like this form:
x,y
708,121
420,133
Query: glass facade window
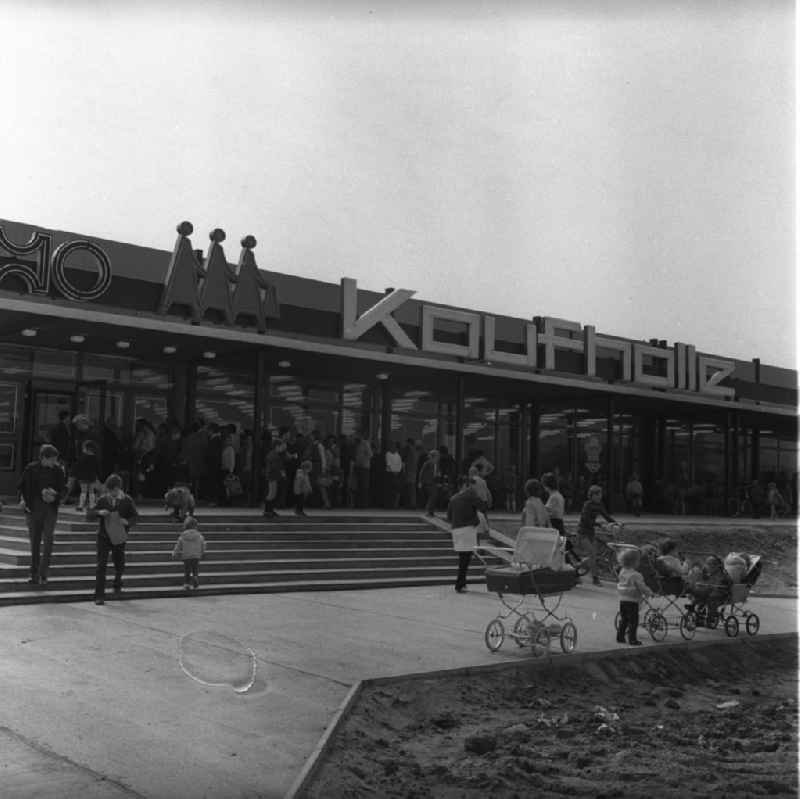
x,y
415,414
100,367
479,433
154,377
509,464
225,397
707,492
7,457
9,407
626,444
55,364
16,361
332,409
357,409
151,408
573,444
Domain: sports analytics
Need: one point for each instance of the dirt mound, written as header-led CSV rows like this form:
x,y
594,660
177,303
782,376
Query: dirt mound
x,y
712,720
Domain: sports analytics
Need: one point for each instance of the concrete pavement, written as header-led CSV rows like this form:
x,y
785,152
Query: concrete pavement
x,y
96,703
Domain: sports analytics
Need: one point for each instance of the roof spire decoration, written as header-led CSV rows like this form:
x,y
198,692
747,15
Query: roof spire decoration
x,y
215,293
183,275
254,296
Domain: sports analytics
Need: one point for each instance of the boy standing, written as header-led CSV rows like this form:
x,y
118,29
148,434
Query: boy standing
x,y
190,547
42,486
592,508
631,588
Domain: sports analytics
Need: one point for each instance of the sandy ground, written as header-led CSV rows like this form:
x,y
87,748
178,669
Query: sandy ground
x,y
705,720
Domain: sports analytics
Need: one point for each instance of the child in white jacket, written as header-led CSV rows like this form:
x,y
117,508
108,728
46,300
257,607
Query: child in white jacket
x,y
631,588
190,547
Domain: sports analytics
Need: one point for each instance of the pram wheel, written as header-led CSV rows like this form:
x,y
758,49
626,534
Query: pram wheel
x,y
752,624
522,630
687,626
569,637
495,635
731,626
712,620
657,626
616,621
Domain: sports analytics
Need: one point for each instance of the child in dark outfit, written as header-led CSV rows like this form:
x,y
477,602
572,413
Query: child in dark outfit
x,y
592,508
631,588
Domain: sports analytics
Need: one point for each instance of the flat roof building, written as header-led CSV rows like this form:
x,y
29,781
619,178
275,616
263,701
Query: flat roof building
x,y
120,333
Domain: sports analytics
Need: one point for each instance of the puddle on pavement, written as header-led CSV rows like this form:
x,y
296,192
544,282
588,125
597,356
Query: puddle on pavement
x,y
217,660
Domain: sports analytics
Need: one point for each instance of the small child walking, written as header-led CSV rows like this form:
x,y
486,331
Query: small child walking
x,y
302,487
190,547
87,471
631,588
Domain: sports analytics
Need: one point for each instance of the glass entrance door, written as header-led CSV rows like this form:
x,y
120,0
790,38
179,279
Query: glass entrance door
x,y
47,408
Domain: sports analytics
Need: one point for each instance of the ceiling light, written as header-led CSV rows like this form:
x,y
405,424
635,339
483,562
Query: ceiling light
x,y
284,364
382,376
169,349
123,345
77,339
29,332
209,355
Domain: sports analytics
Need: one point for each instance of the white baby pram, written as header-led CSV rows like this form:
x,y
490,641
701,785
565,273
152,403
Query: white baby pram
x,y
533,567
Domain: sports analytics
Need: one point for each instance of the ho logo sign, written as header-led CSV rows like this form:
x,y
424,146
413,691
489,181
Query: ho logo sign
x,y
33,265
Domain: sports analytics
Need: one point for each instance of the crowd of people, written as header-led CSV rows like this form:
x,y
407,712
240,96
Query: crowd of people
x,y
43,487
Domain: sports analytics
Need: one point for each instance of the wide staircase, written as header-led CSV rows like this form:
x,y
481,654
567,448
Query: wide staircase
x,y
245,554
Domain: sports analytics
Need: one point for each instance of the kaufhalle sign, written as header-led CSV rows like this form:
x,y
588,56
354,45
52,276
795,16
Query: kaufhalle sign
x,y
207,287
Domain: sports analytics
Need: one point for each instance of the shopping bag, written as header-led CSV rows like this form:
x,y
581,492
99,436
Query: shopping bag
x,y
115,529
233,486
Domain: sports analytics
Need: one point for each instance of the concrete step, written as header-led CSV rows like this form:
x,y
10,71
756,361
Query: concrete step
x,y
54,594
66,543
144,552
245,553
163,564
13,529
135,578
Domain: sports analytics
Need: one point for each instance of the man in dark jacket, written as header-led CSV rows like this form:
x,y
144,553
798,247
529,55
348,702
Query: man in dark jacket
x,y
462,513
42,486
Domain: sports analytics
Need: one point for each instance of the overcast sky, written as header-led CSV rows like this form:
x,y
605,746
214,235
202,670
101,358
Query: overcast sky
x,y
624,164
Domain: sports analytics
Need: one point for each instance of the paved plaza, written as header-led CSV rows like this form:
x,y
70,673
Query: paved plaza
x,y
96,703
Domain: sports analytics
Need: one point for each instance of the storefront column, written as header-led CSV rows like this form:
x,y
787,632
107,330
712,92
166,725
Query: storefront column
x,y
386,417
730,459
610,459
533,449
178,401
258,423
755,461
190,398
459,453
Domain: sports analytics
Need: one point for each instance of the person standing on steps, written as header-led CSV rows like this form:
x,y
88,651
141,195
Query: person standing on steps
x,y
462,514
116,515
190,548
275,468
42,486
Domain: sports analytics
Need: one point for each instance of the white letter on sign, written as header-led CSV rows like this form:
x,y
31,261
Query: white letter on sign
x,y
709,384
354,326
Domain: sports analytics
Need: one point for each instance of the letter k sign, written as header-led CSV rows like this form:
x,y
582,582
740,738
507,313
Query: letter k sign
x,y
353,326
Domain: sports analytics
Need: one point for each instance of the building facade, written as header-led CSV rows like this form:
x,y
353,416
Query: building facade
x,y
120,333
